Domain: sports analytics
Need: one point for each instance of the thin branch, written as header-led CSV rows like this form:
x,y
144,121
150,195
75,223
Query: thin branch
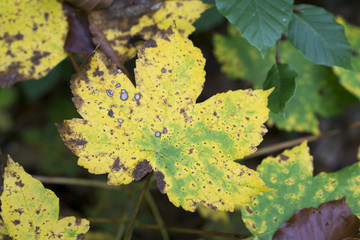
x,y
75,181
137,207
157,214
73,62
173,229
293,142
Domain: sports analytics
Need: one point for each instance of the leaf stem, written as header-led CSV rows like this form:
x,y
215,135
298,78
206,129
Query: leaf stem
x,y
157,214
297,10
137,207
73,62
174,229
277,57
293,142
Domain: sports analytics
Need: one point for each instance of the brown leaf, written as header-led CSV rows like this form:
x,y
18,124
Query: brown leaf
x,y
89,5
331,221
79,38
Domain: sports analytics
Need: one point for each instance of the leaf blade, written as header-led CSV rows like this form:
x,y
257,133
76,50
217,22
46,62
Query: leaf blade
x,y
282,77
31,211
190,146
316,34
260,22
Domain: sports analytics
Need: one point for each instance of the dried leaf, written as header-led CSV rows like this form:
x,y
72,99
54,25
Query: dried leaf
x,y
128,132
30,211
32,38
78,38
331,220
127,23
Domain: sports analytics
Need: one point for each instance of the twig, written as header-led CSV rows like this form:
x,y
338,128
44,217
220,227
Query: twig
x,y
74,181
293,142
172,229
137,207
73,62
157,214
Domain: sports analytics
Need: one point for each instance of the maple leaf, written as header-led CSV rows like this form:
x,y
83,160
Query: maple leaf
x,y
32,37
290,175
126,24
128,132
30,211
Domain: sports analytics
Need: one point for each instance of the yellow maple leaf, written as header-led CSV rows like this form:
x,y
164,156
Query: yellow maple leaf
x,y
129,131
30,211
32,36
123,25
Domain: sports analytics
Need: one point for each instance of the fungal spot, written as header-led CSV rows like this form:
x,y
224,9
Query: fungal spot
x,y
163,70
117,166
157,134
124,95
137,96
141,169
77,142
249,210
19,183
110,93
16,222
112,81
120,120
111,113
150,44
165,130
160,181
283,158
118,85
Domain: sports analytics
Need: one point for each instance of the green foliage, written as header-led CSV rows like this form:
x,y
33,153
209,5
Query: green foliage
x,y
260,22
282,77
350,79
290,175
317,91
319,37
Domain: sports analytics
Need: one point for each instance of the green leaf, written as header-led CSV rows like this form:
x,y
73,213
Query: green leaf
x,y
350,79
290,175
319,37
261,22
282,77
318,91
30,211
128,131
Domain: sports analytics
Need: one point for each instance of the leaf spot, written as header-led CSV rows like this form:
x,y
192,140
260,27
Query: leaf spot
x,y
160,181
16,222
137,96
165,130
111,113
141,169
119,70
157,134
120,120
163,70
118,85
110,93
124,95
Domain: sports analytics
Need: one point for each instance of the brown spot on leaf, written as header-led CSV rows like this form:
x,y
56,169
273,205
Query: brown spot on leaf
x,y
117,166
98,72
150,44
80,236
46,16
248,210
77,142
283,158
19,36
37,55
78,222
111,113
141,169
160,180
20,184
16,222
163,70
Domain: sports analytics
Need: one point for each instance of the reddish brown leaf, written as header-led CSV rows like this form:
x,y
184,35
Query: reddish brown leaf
x,y
79,38
331,221
89,5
